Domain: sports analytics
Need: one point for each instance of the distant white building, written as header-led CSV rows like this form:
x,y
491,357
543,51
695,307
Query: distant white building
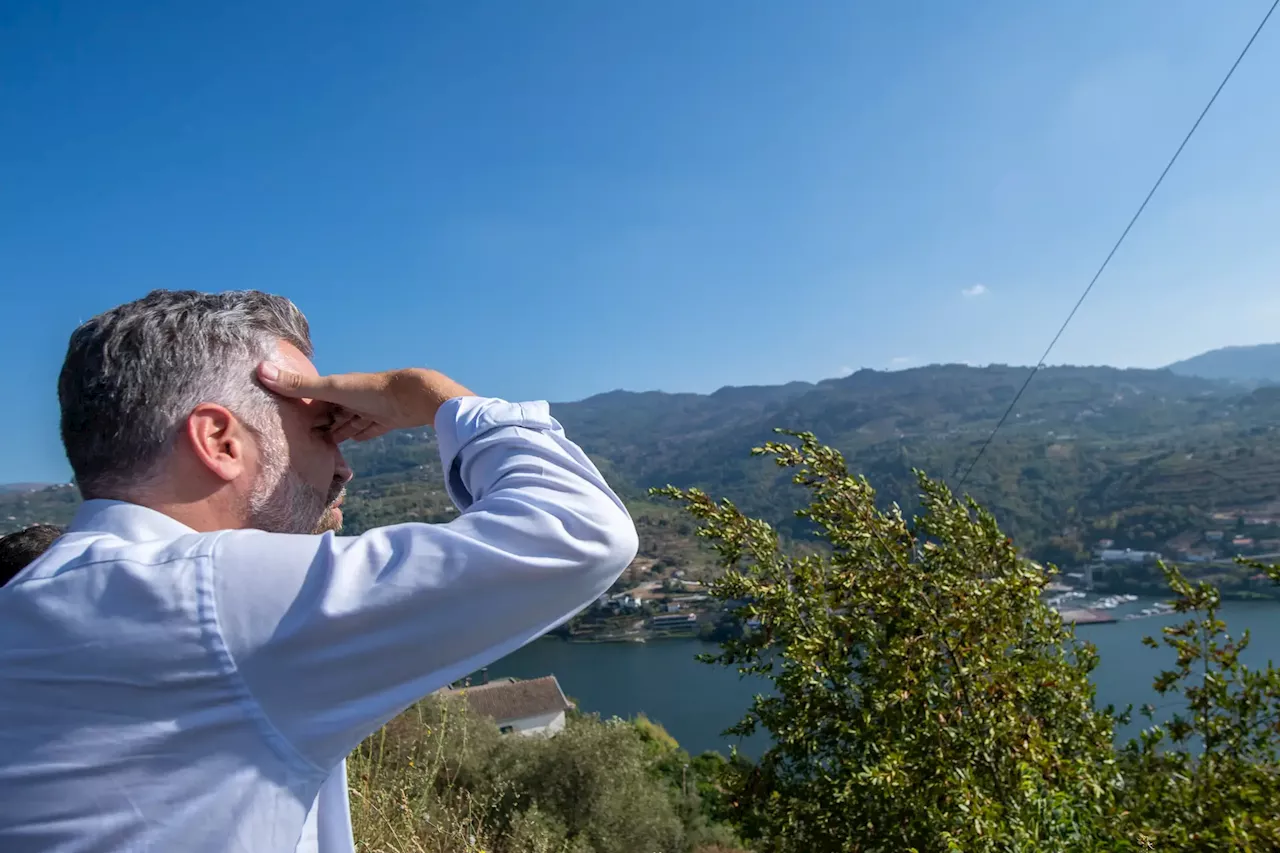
x,y
1109,555
623,602
532,707
674,620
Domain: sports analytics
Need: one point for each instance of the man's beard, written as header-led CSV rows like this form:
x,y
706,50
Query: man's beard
x,y
282,502
331,521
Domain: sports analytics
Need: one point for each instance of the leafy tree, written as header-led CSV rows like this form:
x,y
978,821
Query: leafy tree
x,y
597,782
1209,778
925,698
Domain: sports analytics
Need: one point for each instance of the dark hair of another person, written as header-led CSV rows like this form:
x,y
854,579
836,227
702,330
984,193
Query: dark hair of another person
x,y
19,550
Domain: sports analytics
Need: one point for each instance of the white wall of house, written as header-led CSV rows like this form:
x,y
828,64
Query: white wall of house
x,y
542,724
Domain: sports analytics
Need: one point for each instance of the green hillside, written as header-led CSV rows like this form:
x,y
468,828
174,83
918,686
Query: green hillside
x,y
1146,458
1139,456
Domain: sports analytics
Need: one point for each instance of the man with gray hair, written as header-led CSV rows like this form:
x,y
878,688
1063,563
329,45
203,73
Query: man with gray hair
x,y
188,666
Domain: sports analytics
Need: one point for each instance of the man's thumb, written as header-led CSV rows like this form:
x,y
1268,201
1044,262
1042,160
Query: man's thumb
x,y
287,382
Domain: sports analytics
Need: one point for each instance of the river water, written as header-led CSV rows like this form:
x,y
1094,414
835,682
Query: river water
x,y
697,701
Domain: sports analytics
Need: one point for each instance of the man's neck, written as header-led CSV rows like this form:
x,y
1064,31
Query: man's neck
x,y
203,513
200,517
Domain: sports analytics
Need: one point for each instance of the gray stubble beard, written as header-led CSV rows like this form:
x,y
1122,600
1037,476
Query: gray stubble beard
x,y
281,501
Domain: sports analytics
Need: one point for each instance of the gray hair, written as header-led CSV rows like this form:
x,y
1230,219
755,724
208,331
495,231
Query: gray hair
x,y
133,374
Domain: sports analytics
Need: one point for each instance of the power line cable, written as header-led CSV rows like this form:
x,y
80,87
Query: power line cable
x,y
1039,364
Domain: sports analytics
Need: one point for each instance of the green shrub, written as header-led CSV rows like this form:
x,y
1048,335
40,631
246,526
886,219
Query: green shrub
x,y
926,699
438,778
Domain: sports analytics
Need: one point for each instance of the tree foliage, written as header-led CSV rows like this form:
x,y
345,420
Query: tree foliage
x,y
925,698
439,779
1209,778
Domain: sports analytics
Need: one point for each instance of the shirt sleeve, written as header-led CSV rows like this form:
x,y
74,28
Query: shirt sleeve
x,y
333,636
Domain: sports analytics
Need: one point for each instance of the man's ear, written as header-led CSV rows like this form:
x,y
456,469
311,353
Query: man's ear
x,y
219,440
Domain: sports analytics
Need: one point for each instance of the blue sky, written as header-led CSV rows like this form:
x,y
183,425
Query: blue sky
x,y
551,200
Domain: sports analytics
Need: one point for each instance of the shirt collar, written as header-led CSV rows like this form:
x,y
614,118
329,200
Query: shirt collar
x,y
132,522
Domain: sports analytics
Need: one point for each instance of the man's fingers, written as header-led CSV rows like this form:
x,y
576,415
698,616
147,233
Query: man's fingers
x,y
392,399
350,429
372,431
290,383
345,425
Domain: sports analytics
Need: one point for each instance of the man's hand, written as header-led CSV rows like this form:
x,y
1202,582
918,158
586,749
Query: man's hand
x,y
372,403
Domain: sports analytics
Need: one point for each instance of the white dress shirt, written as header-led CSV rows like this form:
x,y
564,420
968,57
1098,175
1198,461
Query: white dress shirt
x,y
171,691
327,828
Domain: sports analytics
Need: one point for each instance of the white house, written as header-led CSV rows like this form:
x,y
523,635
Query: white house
x,y
1128,556
532,707
623,602
674,620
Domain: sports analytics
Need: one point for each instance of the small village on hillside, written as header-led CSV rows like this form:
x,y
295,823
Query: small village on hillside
x,y
668,607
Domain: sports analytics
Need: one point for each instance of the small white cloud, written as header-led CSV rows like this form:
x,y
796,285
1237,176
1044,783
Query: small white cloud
x,y
975,291
902,361
844,371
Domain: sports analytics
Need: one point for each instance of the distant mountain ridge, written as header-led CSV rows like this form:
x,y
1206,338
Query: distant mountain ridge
x,y
1137,456
1141,457
1251,365
10,488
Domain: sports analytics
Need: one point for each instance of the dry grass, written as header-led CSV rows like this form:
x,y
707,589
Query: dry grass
x,y
439,780
396,783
